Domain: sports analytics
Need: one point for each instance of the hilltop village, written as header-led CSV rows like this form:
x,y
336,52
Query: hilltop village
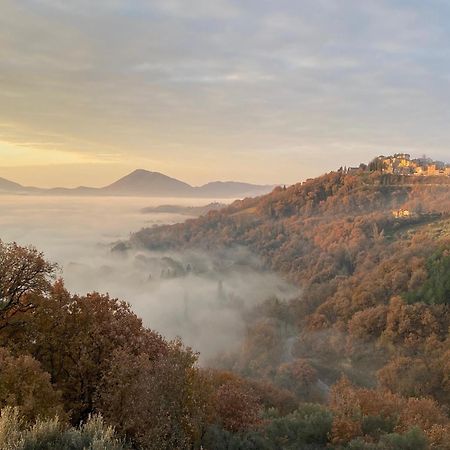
x,y
402,164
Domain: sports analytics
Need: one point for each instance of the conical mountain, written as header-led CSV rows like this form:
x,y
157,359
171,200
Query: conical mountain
x,y
144,182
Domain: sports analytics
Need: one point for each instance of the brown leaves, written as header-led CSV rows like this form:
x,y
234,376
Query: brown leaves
x,y
352,406
160,403
235,402
25,385
74,338
298,376
23,271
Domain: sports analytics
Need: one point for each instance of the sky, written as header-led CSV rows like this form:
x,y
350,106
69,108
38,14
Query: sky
x,y
263,91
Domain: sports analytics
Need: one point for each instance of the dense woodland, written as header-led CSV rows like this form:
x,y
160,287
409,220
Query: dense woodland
x,y
361,360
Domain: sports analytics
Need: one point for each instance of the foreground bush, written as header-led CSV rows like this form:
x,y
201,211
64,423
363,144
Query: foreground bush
x,y
157,404
25,385
51,434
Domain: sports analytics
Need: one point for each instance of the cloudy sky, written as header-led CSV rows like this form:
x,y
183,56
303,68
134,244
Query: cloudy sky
x,y
252,90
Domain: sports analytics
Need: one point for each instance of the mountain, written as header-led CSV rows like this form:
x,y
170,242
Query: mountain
x,y
154,184
143,183
9,186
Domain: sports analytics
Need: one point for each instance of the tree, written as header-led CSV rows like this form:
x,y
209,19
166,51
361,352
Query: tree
x,y
436,289
262,348
157,403
235,400
25,386
74,338
309,424
411,377
298,376
373,413
237,406
23,271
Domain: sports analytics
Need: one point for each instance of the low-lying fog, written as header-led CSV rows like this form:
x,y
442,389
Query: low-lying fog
x,y
198,297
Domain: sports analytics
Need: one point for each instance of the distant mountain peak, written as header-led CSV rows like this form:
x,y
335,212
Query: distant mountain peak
x,y
145,183
143,172
6,185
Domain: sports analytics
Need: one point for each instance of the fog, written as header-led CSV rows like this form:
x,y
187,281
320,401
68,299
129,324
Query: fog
x,y
199,297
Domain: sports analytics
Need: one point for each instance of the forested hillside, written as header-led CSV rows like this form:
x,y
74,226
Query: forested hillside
x,y
360,360
371,253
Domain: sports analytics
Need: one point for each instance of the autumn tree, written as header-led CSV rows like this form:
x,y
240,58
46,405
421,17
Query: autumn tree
x,y
235,400
262,348
237,407
411,377
158,403
298,376
23,271
74,338
27,387
371,413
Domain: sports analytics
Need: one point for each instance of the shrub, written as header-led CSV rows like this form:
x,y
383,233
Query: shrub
x,y
414,439
310,424
52,434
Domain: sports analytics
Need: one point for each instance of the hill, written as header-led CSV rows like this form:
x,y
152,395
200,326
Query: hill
x,y
371,252
328,199
193,211
224,189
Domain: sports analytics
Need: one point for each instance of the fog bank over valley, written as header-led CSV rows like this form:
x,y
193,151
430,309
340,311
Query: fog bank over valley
x,y
201,298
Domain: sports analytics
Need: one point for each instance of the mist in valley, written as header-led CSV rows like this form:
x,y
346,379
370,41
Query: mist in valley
x,y
200,298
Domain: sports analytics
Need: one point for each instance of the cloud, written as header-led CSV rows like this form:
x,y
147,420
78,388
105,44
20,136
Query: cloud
x,y
184,80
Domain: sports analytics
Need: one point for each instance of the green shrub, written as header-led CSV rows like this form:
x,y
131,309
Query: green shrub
x,y
310,424
436,289
216,438
375,426
414,439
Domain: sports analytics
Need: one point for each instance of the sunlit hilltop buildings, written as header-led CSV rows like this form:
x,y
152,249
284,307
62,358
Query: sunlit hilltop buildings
x,y
402,164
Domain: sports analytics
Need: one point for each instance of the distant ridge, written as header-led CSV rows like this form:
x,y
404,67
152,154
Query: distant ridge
x,y
143,183
6,185
231,188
